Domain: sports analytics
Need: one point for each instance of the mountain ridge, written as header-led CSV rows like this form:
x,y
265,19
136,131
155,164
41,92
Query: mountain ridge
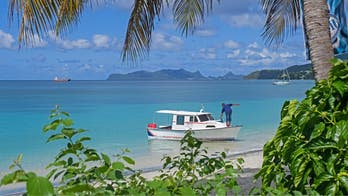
x,y
170,74
296,72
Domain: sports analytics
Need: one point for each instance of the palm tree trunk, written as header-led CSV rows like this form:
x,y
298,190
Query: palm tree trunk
x,y
316,23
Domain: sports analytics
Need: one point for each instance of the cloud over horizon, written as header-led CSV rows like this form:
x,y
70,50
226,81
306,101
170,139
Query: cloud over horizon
x,y
6,40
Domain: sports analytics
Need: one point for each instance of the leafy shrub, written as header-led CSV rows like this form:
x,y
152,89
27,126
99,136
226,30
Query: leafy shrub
x,y
308,153
193,172
78,169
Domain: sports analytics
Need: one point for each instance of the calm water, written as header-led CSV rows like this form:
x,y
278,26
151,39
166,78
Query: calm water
x,y
116,113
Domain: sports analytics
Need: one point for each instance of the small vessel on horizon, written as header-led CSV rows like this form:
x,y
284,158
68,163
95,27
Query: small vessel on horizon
x,y
56,79
284,78
202,124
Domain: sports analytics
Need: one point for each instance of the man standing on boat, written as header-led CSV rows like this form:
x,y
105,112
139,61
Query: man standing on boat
x,y
228,111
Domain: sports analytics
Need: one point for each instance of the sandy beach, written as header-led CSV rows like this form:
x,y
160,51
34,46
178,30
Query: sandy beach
x,y
252,163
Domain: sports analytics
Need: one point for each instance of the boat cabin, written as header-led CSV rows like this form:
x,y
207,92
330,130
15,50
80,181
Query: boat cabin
x,y
184,120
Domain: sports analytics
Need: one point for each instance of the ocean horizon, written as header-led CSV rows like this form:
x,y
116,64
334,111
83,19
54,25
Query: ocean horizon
x,y
116,114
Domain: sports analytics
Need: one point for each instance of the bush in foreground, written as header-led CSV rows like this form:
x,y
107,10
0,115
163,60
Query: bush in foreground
x,y
308,153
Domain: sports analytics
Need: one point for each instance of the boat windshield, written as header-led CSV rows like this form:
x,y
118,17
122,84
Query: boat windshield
x,y
205,117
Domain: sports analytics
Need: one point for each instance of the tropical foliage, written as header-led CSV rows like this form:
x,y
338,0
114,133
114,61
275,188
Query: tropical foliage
x,y
308,153
78,169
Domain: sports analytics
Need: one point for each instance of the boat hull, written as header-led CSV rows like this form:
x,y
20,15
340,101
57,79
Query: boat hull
x,y
218,134
281,83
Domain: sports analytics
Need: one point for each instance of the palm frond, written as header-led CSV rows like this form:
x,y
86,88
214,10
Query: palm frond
x,y
37,17
283,17
189,14
69,13
140,26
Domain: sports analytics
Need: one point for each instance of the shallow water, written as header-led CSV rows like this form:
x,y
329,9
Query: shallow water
x,y
116,114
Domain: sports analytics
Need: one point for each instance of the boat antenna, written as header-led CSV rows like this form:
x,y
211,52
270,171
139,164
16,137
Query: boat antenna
x,y
202,108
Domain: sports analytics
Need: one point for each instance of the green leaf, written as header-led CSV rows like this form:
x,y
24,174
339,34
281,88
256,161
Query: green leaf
x,y
56,164
128,160
187,190
16,176
106,158
19,159
343,177
81,130
67,122
8,179
37,185
92,157
118,174
52,126
55,137
318,130
69,132
331,189
340,86
65,113
118,166
83,139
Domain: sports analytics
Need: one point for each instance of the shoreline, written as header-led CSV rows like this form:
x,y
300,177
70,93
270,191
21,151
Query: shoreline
x,y
252,163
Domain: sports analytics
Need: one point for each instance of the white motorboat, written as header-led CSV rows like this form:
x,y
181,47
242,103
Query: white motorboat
x,y
202,124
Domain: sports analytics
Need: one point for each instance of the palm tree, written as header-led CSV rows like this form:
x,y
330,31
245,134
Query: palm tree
x,y
283,17
188,15
38,17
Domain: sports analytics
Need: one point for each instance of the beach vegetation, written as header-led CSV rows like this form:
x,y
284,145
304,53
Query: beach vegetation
x,y
79,169
308,153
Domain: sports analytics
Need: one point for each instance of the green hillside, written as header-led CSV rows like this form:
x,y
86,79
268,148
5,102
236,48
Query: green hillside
x,y
296,72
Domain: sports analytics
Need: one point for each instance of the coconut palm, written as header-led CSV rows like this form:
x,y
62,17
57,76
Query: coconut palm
x,y
188,14
283,17
38,17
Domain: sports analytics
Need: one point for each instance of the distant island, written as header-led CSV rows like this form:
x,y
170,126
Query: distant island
x,y
296,72
169,74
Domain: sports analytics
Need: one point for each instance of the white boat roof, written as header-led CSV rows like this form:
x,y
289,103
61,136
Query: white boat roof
x,y
178,112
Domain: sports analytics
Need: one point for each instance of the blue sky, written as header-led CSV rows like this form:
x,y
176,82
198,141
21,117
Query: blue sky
x,y
229,40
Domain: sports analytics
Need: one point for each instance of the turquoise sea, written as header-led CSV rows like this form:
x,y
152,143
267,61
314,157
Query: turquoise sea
x,y
116,114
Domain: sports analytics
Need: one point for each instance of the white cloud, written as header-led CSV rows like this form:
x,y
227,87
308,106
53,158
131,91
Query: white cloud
x,y
233,54
69,44
287,55
164,42
231,44
91,68
205,33
208,53
79,43
253,45
265,57
101,41
37,42
243,20
6,40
